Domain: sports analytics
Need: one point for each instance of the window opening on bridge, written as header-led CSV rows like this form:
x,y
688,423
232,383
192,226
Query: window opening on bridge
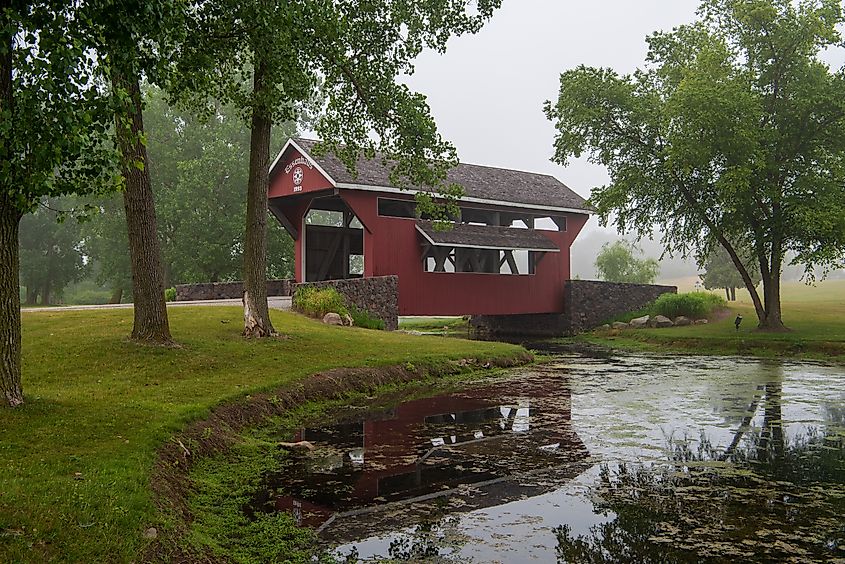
x,y
334,241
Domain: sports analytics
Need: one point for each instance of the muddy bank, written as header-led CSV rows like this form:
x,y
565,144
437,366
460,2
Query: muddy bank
x,y
170,479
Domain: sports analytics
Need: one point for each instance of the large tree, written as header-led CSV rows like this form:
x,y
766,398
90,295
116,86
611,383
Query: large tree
x,y
345,59
51,250
720,272
733,134
197,175
618,262
197,172
132,38
51,132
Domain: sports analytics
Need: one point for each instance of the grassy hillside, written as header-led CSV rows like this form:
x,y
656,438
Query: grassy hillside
x,y
816,315
75,461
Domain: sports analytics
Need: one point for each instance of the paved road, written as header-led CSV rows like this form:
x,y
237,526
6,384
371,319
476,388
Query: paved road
x,y
282,303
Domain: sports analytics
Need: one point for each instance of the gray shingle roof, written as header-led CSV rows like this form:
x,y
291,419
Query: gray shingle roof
x,y
479,182
487,237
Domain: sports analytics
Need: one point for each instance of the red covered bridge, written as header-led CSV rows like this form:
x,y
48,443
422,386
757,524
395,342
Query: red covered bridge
x,y
508,254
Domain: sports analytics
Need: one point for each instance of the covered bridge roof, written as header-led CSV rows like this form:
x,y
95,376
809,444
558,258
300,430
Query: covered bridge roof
x,y
484,184
465,235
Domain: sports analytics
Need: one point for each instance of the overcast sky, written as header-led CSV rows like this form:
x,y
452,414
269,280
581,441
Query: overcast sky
x,y
487,91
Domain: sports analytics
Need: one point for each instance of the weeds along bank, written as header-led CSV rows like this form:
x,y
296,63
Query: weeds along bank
x,y
79,462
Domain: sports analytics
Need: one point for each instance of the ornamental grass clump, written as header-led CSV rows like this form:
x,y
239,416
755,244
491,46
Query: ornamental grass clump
x,y
317,302
694,305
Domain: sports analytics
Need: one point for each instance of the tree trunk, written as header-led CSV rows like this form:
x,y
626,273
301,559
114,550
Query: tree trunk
x,y
10,306
116,295
733,294
10,217
746,278
151,324
773,320
256,311
727,293
31,295
45,293
772,445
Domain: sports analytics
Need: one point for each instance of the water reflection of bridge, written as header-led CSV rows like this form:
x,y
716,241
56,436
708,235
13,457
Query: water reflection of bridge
x,y
488,445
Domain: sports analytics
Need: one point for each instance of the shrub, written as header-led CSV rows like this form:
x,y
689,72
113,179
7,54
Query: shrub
x,y
317,302
694,305
170,294
365,320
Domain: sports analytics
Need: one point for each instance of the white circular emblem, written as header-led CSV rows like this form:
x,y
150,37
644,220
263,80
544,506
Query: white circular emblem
x,y
297,176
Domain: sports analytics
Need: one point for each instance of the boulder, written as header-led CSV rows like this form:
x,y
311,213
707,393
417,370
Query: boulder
x,y
348,321
640,322
661,321
605,327
701,322
332,318
620,325
682,321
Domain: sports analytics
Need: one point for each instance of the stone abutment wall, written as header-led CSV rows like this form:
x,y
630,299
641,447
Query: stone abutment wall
x,y
587,304
378,296
227,290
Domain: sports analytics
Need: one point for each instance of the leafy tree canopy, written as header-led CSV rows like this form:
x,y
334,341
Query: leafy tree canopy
x,y
732,133
54,127
51,251
720,272
335,62
198,175
617,262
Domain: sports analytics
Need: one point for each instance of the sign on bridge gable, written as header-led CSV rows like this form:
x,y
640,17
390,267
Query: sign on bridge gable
x,y
296,173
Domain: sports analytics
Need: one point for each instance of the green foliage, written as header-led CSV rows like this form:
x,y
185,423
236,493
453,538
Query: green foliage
x,y
56,117
170,294
721,272
317,302
96,400
86,292
695,305
731,133
617,262
223,486
364,319
199,179
51,251
816,315
339,64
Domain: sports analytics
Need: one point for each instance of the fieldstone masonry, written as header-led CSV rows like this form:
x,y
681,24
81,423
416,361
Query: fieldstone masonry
x,y
378,296
588,304
228,290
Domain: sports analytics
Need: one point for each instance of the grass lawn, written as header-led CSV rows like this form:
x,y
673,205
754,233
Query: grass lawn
x,y
816,316
75,461
451,325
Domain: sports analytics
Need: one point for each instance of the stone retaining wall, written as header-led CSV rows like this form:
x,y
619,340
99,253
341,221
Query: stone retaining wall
x,y
227,290
587,304
378,296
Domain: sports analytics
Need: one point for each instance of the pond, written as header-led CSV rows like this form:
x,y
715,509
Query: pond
x,y
617,459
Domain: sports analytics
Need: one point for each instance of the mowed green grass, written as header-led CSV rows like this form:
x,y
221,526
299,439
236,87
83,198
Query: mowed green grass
x,y
815,315
75,461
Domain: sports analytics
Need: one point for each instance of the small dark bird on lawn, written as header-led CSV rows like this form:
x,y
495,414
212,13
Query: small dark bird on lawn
x,y
737,321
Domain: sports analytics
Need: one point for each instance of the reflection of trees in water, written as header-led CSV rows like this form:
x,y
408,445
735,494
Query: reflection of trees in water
x,y
835,414
433,540
761,499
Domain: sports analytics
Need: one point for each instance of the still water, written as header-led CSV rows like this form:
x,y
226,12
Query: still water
x,y
619,459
